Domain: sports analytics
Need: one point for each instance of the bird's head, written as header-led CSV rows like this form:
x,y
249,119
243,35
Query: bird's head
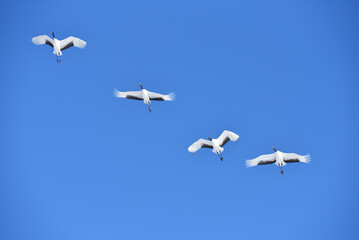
x,y
141,86
274,149
210,138
53,34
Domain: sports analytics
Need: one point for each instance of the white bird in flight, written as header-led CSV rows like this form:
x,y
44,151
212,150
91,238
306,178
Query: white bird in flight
x,y
278,158
59,45
144,95
215,144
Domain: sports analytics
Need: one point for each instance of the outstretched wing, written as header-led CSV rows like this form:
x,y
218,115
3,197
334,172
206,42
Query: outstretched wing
x,y
43,39
137,95
226,136
293,157
261,160
160,97
72,41
201,143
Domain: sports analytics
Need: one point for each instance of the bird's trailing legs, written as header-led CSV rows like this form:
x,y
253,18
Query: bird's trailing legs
x,y
281,170
220,156
149,108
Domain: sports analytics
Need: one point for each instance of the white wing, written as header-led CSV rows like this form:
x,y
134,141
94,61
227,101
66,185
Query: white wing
x,y
201,143
226,136
261,160
293,157
43,39
161,97
137,95
72,41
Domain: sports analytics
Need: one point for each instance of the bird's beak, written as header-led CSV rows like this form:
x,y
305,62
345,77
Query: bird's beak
x,y
209,138
141,86
274,149
53,34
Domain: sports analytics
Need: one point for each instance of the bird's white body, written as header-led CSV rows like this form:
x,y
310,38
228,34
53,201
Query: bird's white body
x,y
278,158
146,98
57,48
216,144
144,95
216,147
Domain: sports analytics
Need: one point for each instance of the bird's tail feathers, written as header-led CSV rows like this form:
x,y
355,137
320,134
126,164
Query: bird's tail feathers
x,y
221,149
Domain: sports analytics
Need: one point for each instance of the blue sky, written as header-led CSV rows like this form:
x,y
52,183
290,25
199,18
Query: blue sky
x,y
77,163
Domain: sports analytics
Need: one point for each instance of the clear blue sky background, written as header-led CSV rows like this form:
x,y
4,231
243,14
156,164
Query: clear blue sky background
x,y
77,163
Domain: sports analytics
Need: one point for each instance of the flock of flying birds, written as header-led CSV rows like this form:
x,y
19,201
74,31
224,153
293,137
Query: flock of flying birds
x,y
278,158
